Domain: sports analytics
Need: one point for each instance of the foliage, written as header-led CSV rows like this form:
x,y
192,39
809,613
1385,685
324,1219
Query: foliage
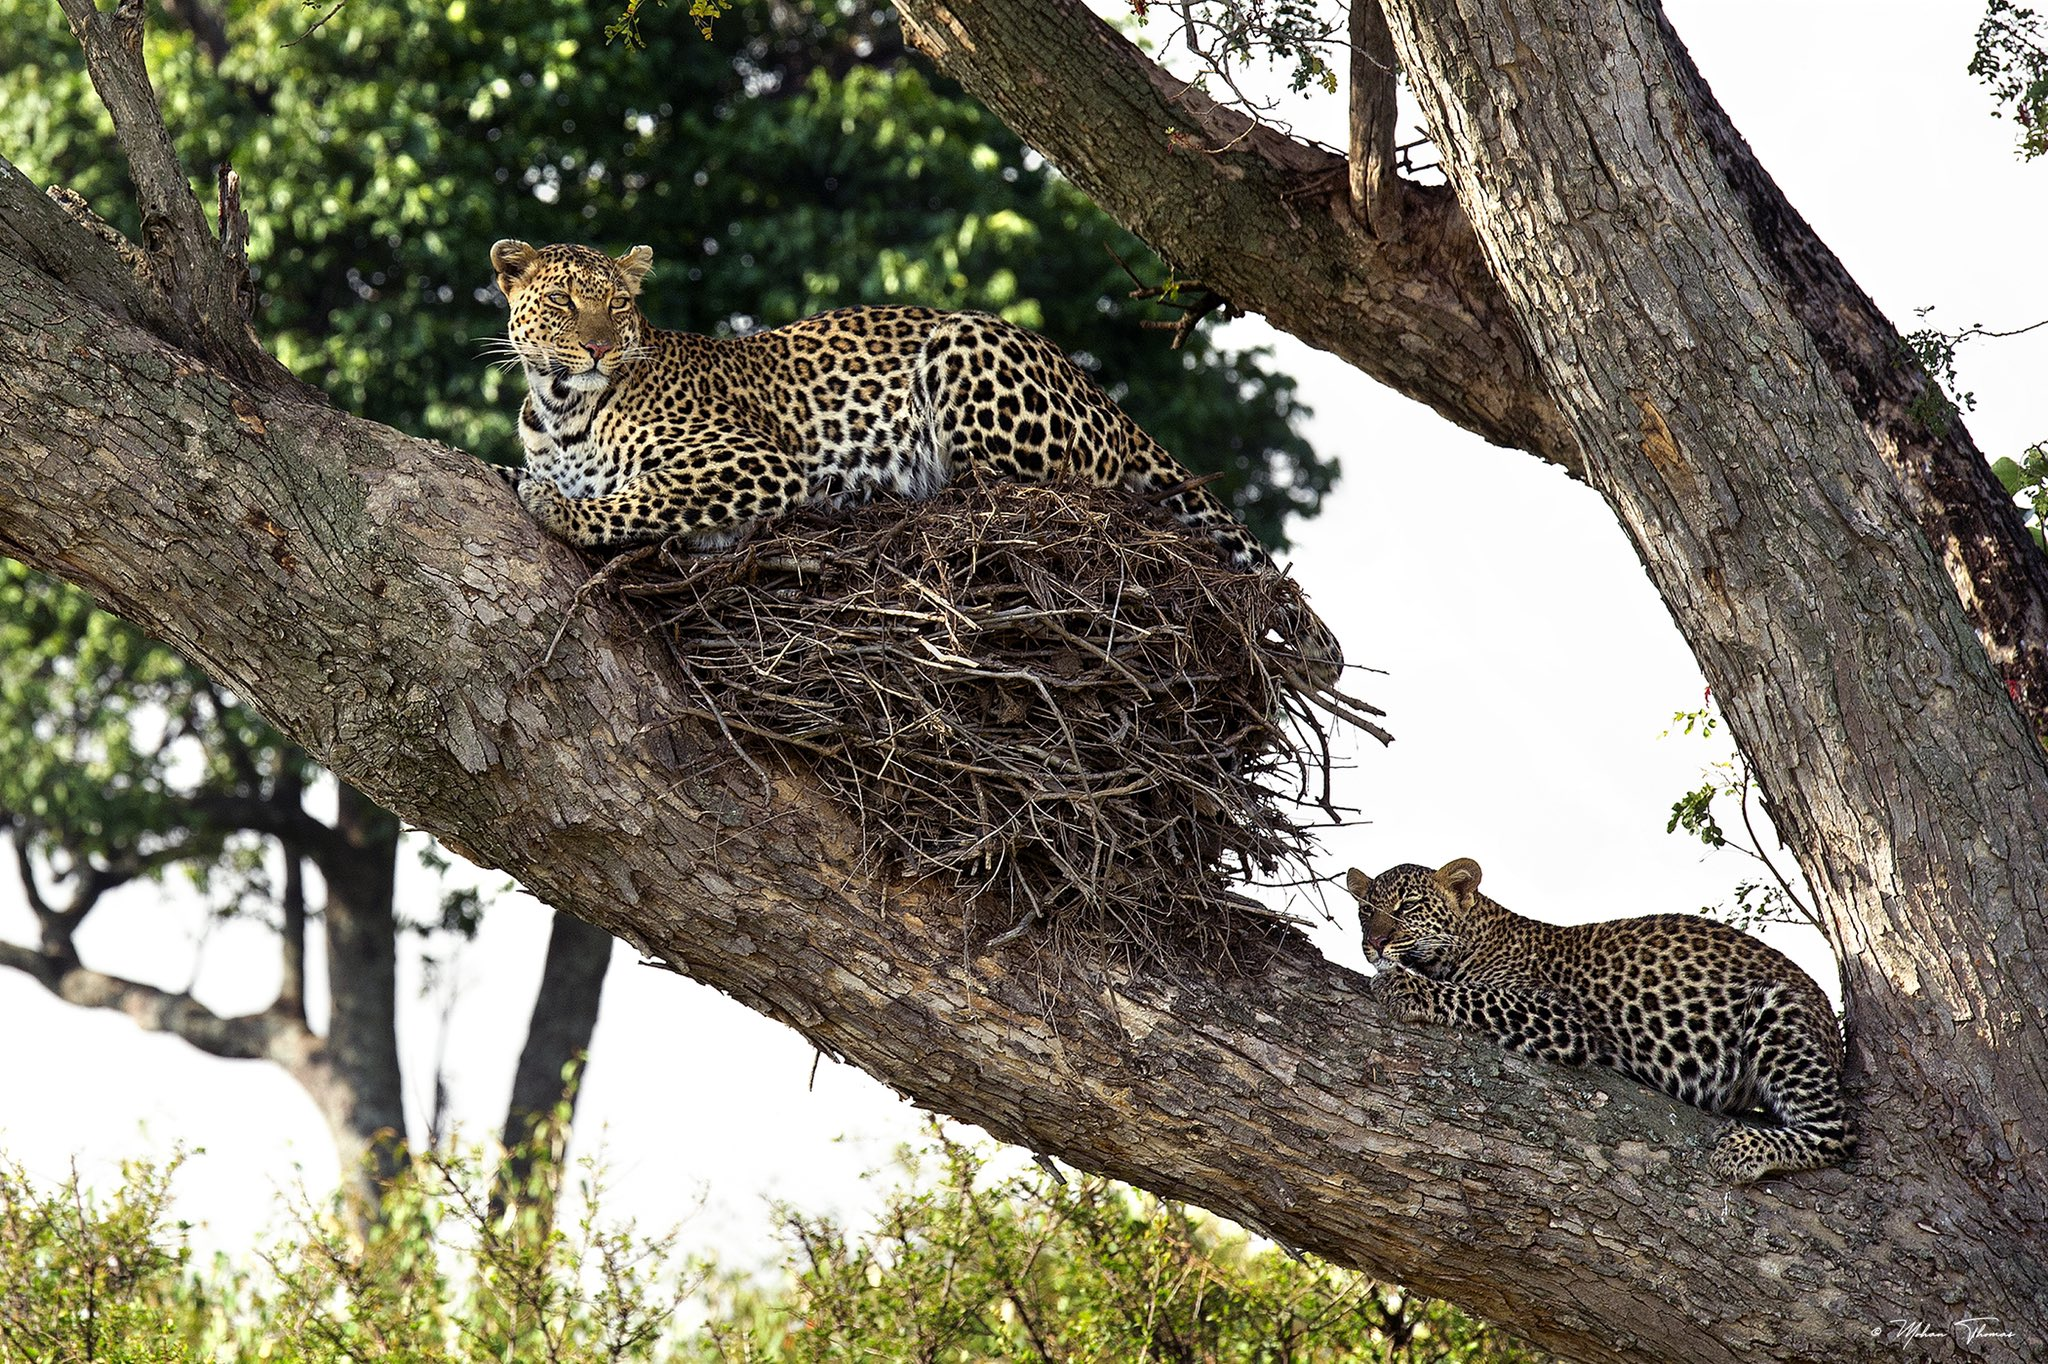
x,y
971,1265
2026,478
84,1277
1726,783
107,738
962,1263
1223,35
2012,58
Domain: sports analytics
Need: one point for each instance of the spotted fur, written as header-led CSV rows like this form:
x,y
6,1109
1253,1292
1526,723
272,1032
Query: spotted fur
x,y
1707,1014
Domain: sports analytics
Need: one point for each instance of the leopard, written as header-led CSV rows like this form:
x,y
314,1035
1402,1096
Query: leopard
x,y
1694,1007
633,433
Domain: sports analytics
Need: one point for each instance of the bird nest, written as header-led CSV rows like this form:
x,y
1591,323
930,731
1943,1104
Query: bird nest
x,y
1047,693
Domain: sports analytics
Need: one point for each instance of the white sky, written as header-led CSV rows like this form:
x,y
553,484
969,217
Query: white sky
x,y
1530,670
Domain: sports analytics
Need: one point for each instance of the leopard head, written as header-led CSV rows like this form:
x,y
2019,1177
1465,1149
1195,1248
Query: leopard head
x,y
573,314
1414,917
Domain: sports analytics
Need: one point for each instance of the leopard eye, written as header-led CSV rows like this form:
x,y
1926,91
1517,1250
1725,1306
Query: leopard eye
x,y
620,305
559,299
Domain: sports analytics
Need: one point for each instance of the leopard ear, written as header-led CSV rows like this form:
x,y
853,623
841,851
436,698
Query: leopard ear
x,y
1461,879
636,263
512,260
1359,884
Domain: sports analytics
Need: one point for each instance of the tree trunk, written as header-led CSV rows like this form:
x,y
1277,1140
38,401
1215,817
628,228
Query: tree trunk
x,y
1886,746
384,600
361,1093
558,1037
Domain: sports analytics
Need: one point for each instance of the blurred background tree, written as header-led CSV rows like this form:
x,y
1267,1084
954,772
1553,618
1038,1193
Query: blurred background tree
x,y
794,161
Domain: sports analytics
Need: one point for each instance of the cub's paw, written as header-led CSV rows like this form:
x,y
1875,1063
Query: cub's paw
x,y
1408,997
1742,1155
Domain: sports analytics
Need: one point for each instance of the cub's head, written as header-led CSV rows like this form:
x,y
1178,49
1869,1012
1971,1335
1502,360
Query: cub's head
x,y
573,315
1414,917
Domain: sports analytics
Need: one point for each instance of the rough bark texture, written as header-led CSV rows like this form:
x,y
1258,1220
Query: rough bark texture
x,y
385,601
1269,221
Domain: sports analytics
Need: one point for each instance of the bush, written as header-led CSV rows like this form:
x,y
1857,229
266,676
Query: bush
x,y
964,1263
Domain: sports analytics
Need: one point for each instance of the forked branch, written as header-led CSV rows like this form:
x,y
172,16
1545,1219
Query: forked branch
x,y
203,281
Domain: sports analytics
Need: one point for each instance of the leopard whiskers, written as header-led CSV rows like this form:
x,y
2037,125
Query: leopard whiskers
x,y
503,352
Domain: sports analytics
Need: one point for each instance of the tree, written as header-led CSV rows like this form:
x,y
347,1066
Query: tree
x,y
1764,461
377,149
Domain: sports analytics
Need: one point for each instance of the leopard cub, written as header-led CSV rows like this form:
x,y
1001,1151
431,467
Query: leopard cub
x,y
1702,1011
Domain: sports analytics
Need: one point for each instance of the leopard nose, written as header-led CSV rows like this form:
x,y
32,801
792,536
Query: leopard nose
x,y
597,349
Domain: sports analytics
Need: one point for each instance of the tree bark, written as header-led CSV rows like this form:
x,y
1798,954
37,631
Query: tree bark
x,y
385,602
1268,220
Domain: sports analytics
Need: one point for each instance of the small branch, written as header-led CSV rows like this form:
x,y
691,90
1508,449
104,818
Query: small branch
x,y
318,24
1756,849
1375,188
25,868
1206,300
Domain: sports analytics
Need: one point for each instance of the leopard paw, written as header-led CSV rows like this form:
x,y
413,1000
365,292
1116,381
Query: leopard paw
x,y
544,503
1407,996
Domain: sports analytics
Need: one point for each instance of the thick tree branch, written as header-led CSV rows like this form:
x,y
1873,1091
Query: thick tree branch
x,y
1999,574
245,1037
1235,204
1776,534
1375,185
404,636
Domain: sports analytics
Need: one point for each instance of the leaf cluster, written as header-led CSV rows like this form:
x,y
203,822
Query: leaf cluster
x,y
2011,57
110,743
2026,478
90,1278
1726,784
970,1264
1225,35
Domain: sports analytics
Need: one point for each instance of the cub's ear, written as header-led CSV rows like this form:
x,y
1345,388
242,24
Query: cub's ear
x,y
1461,879
636,263
512,259
1358,883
